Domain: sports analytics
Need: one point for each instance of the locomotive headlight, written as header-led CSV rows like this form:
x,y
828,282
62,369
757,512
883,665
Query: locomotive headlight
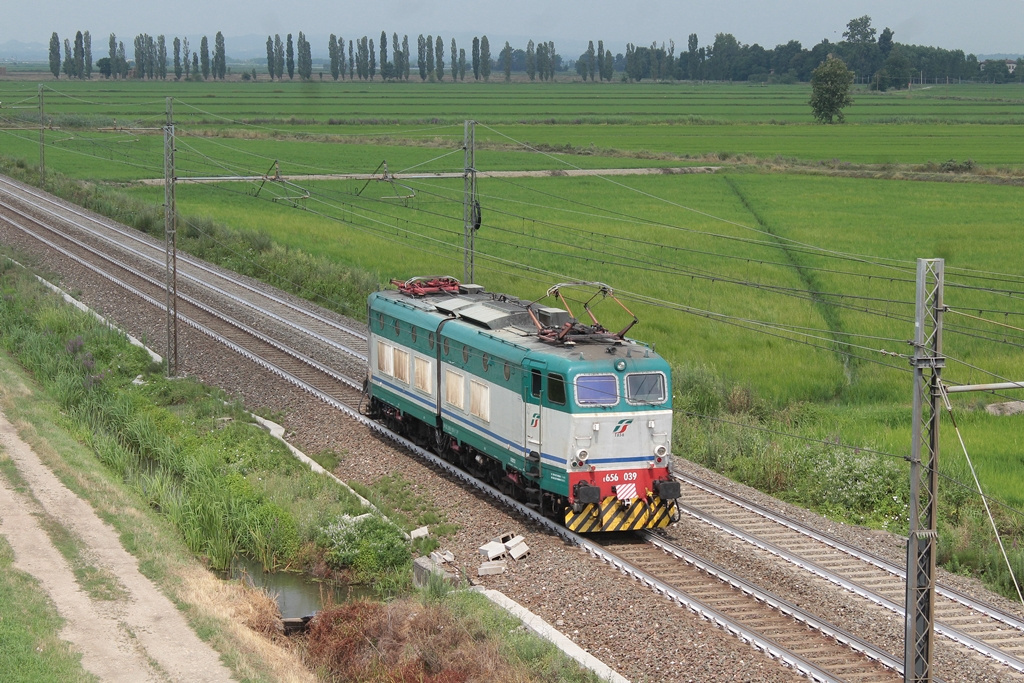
x,y
582,455
620,365
660,451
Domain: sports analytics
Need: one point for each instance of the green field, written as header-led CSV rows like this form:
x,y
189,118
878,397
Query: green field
x,y
787,275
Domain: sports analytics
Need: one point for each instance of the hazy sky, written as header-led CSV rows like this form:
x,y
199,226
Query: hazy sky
x,y
980,27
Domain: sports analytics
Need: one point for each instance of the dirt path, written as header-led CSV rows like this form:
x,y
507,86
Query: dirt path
x,y
139,637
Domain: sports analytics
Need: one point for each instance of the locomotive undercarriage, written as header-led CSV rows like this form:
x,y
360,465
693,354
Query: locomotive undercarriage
x,y
512,482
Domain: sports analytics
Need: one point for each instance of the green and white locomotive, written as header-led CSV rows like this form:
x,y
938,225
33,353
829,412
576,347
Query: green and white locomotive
x,y
572,419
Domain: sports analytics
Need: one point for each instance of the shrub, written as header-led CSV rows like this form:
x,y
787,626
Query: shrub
x,y
368,544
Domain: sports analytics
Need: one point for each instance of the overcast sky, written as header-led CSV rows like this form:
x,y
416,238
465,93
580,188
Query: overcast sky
x,y
980,27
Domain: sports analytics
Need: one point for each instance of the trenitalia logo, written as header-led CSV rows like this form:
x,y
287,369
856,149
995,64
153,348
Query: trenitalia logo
x,y
535,420
621,426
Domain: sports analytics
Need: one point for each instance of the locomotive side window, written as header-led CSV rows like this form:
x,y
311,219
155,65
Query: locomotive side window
x,y
422,375
479,400
535,383
380,320
401,365
430,340
508,371
398,328
597,390
485,359
412,333
556,389
454,389
447,346
384,358
645,387
465,353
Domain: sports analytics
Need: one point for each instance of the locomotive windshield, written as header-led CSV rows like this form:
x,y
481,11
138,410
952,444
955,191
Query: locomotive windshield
x,y
597,390
645,387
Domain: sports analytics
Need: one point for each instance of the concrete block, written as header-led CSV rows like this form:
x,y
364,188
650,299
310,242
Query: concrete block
x,y
518,551
489,568
419,533
513,542
423,567
492,550
503,538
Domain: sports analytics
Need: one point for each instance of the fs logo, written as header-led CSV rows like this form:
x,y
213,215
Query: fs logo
x,y
621,426
535,420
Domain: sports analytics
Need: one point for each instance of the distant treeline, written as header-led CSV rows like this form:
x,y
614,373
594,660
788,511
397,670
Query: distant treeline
x,y
875,58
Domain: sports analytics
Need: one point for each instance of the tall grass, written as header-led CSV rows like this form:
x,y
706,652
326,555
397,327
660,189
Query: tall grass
x,y
189,453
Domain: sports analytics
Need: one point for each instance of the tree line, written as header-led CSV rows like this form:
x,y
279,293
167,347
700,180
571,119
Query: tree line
x,y
874,58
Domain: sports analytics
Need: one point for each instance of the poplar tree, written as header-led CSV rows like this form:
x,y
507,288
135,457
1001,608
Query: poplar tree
x,y
429,50
177,59
485,58
405,55
332,51
421,56
291,58
506,58
204,57
531,61
462,64
455,64
220,61
115,69
270,57
439,58
476,58
55,55
278,56
87,44
161,58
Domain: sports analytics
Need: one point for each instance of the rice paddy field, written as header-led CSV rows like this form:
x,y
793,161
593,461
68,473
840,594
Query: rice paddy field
x,y
786,274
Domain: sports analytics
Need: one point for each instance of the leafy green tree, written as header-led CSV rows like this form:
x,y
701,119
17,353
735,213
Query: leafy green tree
x,y
462,64
55,55
351,62
861,46
177,58
79,56
591,61
485,58
278,56
271,69
428,48
373,61
332,51
122,61
531,61
161,57
385,71
439,58
115,70
506,61
885,42
305,60
186,58
455,62
830,90
421,56
68,65
609,66
204,57
220,60
87,46
405,56
290,57
600,60
399,56
476,58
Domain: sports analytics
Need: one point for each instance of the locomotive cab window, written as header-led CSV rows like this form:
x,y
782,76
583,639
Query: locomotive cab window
x,y
556,389
535,383
597,390
645,387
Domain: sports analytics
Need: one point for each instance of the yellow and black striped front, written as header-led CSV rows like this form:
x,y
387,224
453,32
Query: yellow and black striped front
x,y
614,515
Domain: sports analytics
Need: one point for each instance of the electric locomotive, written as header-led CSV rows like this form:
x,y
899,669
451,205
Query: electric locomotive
x,y
568,417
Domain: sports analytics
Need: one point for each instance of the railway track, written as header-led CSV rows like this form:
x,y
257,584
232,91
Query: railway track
x,y
248,326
